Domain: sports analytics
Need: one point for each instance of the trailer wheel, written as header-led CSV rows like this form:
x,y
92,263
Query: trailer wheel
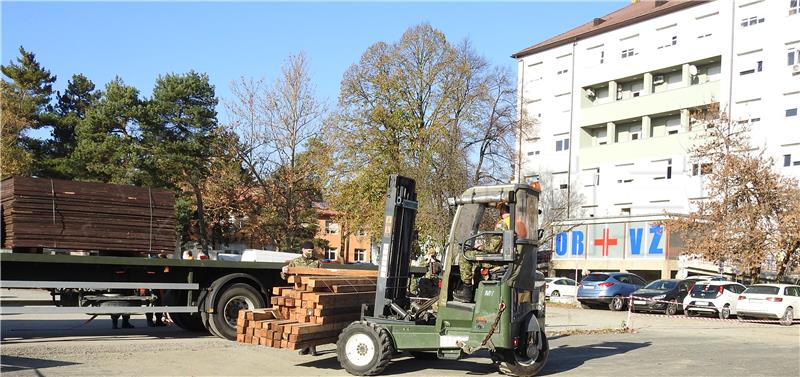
x,y
522,365
364,349
226,308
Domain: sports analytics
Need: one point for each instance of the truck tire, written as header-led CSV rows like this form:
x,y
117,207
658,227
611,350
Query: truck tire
x,y
364,349
226,308
519,365
188,321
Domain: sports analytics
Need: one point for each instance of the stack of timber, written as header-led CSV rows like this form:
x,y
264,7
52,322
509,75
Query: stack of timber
x,y
59,214
313,311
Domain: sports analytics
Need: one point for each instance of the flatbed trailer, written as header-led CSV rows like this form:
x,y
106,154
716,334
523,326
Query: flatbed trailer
x,y
200,295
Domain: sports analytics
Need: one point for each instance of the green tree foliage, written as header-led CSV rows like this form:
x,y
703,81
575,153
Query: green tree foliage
x,y
25,96
109,137
425,108
179,136
70,109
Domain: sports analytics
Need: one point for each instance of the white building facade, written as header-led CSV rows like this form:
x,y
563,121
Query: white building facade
x,y
613,101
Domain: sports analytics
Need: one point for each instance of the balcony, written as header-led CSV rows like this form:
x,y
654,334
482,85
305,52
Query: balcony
x,y
669,100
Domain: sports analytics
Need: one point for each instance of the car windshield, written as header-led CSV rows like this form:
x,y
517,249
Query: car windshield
x,y
663,285
596,277
762,289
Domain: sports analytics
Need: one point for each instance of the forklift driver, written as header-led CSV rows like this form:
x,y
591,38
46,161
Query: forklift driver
x,y
467,268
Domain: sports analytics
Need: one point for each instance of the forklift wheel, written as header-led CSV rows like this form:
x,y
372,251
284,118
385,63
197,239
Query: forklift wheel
x,y
517,365
364,348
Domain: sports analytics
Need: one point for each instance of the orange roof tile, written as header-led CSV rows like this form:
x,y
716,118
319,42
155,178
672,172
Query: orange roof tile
x,y
631,14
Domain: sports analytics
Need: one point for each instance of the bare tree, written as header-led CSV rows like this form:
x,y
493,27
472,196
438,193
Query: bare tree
x,y
275,123
749,217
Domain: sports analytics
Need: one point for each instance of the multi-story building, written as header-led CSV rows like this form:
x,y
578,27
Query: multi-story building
x,y
613,100
342,248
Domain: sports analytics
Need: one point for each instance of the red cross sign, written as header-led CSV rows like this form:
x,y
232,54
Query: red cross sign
x,y
605,242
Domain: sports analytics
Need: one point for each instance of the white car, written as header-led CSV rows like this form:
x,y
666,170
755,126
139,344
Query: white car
x,y
713,297
775,301
556,287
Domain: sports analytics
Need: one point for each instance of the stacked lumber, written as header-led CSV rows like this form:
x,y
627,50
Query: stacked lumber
x,y
311,312
52,213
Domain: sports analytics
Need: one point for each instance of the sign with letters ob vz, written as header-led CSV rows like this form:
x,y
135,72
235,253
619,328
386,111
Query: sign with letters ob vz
x,y
612,241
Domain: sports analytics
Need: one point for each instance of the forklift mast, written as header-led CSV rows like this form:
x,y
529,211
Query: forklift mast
x,y
395,255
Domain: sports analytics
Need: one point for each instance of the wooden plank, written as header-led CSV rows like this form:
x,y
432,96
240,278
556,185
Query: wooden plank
x,y
309,343
261,314
248,339
277,325
354,288
315,328
314,282
277,291
348,317
240,338
331,272
294,338
265,341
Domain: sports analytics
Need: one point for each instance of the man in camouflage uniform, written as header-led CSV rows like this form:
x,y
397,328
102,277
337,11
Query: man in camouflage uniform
x,y
306,260
467,267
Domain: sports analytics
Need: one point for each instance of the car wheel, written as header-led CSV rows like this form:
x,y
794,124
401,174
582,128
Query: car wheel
x,y
617,303
788,317
725,312
555,294
672,308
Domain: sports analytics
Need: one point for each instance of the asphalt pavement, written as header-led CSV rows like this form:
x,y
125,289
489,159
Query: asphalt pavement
x,y
48,345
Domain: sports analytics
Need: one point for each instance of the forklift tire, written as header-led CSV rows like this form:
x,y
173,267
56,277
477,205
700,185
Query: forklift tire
x,y
364,348
515,365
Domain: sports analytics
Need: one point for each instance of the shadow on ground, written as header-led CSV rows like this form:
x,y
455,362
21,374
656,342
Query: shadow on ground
x,y
16,363
564,358
33,331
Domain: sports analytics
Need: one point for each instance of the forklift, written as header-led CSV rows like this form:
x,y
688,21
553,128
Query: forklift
x,y
508,312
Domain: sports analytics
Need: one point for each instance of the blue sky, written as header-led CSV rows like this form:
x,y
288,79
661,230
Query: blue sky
x,y
139,41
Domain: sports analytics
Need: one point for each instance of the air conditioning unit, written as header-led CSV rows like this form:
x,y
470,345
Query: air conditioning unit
x,y
796,68
659,79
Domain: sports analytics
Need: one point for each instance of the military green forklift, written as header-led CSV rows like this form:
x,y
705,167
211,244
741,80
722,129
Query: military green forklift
x,y
508,312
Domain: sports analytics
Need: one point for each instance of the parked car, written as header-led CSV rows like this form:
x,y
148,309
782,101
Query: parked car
x,y
713,297
611,288
652,297
556,287
776,301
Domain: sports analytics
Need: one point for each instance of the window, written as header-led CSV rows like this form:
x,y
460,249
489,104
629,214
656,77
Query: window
x,y
706,35
787,160
563,71
791,112
562,145
628,53
592,177
701,169
794,7
793,56
331,227
758,67
671,42
330,254
751,21
533,153
563,186
360,255
663,169
602,56
361,233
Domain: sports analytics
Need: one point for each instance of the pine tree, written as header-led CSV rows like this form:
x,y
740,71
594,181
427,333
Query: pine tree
x,y
24,104
71,108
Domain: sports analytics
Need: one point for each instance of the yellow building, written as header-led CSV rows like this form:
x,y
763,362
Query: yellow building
x,y
343,247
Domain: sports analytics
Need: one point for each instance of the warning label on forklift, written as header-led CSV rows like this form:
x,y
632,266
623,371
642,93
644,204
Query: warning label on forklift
x,y
450,341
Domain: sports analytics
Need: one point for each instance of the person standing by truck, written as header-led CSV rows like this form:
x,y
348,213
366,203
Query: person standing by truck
x,y
306,260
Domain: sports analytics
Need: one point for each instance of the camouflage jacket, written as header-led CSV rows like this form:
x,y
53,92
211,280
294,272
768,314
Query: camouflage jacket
x,y
302,261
